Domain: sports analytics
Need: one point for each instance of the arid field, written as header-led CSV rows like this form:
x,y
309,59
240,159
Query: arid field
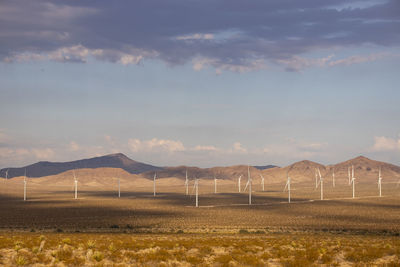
x,y
140,229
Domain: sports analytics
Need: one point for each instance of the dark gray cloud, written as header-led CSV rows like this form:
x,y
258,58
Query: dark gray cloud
x,y
234,35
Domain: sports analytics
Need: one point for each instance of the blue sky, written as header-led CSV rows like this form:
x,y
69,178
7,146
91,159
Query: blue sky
x,y
200,83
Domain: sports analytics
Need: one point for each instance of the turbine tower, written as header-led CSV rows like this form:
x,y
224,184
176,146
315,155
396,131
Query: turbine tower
x,y
353,180
249,183
321,183
25,186
287,186
240,178
154,183
187,183
380,182
75,184
196,189
215,184
316,178
6,175
348,172
262,182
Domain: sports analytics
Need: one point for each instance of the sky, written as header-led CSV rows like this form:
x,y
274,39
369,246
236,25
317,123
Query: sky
x,y
200,83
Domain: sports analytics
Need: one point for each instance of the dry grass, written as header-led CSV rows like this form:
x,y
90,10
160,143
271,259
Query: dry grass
x,y
201,249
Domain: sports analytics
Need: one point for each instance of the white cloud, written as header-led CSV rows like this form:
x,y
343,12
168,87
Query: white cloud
x,y
82,54
237,147
205,148
130,59
358,59
200,63
76,53
196,36
46,153
382,143
155,144
73,146
297,63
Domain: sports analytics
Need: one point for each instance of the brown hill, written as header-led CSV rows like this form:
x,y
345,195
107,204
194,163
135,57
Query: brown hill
x,y
225,173
366,170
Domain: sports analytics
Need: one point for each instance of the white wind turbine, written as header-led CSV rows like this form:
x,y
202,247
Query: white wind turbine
x,y
154,183
321,183
348,172
5,180
215,184
75,185
249,183
316,178
239,179
187,183
353,180
25,186
196,189
380,182
262,182
287,186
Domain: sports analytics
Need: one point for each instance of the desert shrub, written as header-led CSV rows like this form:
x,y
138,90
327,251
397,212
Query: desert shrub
x,y
114,226
98,256
91,244
67,241
243,231
180,231
21,260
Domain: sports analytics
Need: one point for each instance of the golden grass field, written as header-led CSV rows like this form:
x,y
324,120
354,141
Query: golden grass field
x,y
140,229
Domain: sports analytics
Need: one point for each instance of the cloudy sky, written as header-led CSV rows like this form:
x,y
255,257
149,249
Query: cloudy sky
x,y
202,83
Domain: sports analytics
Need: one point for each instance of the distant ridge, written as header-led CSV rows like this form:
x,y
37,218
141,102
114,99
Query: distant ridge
x,y
46,168
266,167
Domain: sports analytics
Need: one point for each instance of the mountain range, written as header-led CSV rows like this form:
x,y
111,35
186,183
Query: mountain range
x,y
46,168
365,169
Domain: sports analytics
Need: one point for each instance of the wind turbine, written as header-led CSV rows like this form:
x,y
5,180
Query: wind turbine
x,y
316,179
348,172
353,179
154,183
25,186
380,182
6,174
321,183
215,184
187,183
240,178
248,184
75,185
196,189
333,178
287,186
262,182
